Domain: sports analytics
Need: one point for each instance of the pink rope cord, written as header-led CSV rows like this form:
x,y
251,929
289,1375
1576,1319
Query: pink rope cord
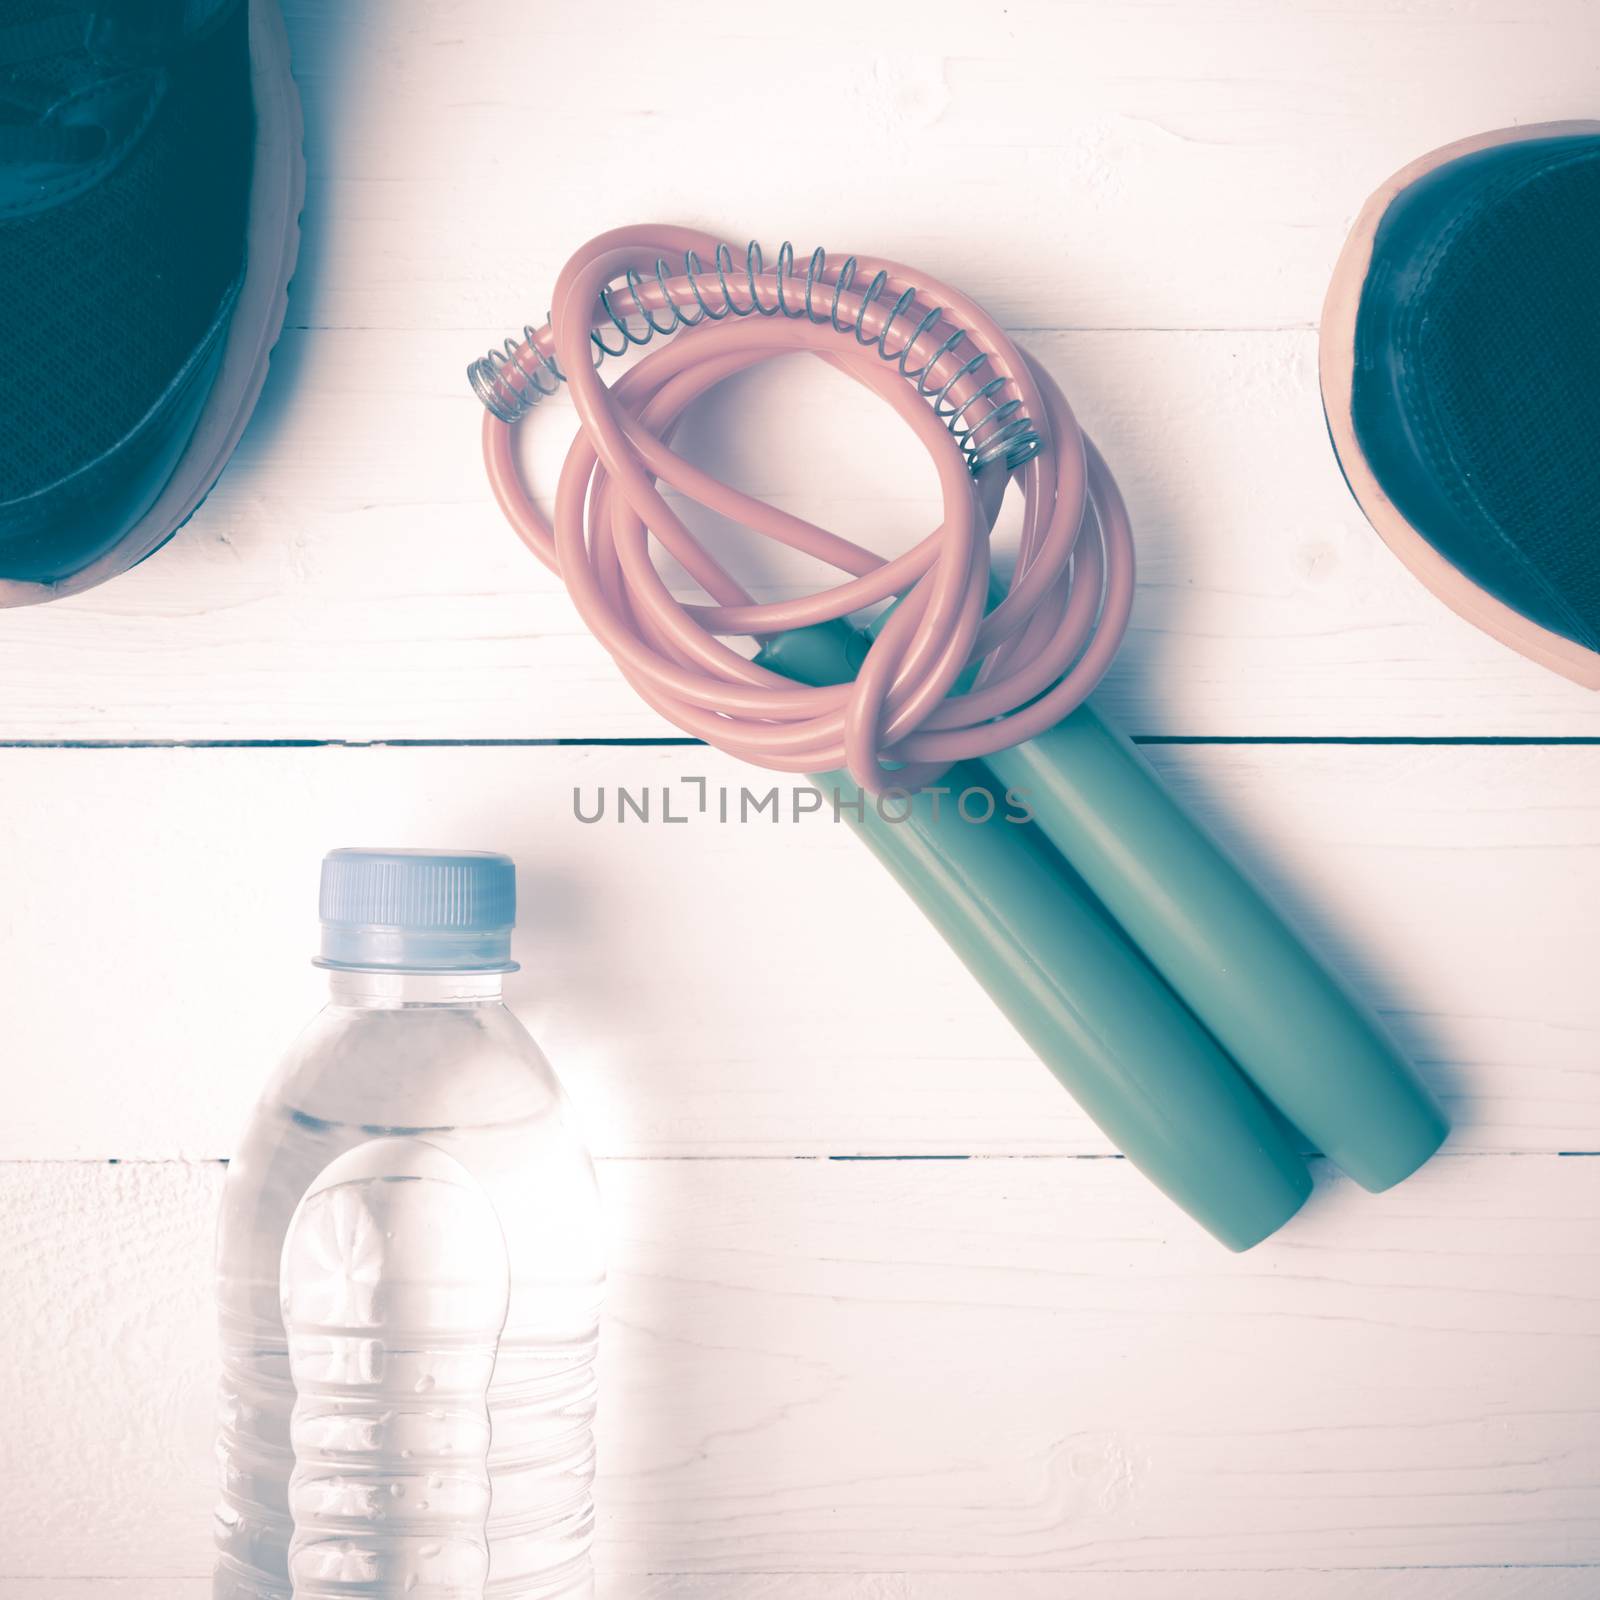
x,y
1041,650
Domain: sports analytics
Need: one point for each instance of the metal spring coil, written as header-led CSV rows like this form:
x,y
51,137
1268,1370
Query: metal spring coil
x,y
988,424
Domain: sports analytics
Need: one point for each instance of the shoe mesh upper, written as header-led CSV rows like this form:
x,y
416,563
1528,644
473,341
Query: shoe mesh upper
x,y
107,295
1503,374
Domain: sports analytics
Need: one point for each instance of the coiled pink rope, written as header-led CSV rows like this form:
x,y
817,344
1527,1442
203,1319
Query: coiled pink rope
x,y
1042,649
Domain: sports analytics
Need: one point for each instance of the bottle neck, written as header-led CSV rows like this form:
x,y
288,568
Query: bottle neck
x,y
374,990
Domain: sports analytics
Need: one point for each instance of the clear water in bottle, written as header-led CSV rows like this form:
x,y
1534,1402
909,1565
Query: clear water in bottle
x,y
394,1287
409,1272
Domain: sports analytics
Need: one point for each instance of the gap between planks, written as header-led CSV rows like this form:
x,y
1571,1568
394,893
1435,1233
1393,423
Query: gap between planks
x,y
1421,741
1314,1158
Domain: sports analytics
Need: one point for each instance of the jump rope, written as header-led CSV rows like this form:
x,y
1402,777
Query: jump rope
x,y
1133,956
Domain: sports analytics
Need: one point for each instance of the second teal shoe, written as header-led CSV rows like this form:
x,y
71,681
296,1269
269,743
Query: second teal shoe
x,y
1460,368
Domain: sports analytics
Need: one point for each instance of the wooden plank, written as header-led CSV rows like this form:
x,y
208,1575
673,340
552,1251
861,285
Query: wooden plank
x,y
349,578
1509,1583
750,988
978,1367
1452,1583
1082,165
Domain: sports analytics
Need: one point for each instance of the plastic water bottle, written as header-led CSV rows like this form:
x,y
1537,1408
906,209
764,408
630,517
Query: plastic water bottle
x,y
409,1271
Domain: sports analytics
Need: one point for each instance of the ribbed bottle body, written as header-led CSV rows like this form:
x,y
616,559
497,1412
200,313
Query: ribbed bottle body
x,y
457,1075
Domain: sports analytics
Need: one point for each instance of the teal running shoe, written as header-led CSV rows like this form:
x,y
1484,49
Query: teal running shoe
x,y
151,180
1460,364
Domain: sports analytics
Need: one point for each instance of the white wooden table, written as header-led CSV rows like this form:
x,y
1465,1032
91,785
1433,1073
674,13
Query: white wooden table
x,y
885,1324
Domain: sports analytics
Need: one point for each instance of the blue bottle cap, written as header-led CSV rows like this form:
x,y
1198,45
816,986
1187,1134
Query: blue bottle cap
x,y
418,910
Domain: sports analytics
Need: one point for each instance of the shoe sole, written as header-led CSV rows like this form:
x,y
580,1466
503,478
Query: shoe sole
x,y
1336,363
277,194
